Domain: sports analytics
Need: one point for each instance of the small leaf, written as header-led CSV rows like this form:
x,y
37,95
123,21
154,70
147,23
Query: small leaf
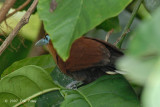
x,y
112,23
44,61
25,84
73,18
107,91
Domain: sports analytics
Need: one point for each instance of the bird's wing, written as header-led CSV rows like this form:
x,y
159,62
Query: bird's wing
x,y
115,52
86,53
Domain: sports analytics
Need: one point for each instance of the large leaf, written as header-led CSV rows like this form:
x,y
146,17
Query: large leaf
x,y
44,61
151,93
112,23
54,98
143,63
137,69
107,91
73,18
17,50
143,51
25,84
142,45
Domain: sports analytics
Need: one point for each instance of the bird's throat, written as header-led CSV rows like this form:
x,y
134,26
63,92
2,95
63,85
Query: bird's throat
x,y
52,51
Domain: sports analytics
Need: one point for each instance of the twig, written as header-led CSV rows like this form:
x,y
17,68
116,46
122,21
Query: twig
x,y
127,27
5,8
1,40
108,35
19,8
20,24
119,39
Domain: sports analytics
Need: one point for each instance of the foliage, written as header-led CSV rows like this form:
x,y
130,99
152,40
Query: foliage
x,y
142,59
109,24
20,2
73,18
17,48
115,90
13,86
47,63
37,81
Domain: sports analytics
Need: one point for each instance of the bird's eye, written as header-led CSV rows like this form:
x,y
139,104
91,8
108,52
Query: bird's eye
x,y
46,38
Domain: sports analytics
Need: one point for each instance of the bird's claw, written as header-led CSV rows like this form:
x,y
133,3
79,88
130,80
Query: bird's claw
x,y
74,85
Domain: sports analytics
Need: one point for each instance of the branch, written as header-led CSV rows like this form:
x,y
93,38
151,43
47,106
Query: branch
x,y
127,27
19,8
5,8
20,24
108,34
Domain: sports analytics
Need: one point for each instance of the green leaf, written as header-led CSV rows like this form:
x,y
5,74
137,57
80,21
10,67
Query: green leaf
x,y
146,38
51,99
73,18
143,51
107,91
25,84
54,98
60,78
112,23
137,69
151,94
44,61
17,50
142,65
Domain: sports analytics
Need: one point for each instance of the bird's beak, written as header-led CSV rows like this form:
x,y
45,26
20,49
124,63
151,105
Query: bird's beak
x,y
41,42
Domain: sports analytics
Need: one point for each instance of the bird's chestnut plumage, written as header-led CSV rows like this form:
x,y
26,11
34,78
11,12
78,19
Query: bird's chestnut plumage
x,y
89,59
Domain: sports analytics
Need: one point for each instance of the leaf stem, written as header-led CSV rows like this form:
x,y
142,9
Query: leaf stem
x,y
35,95
127,27
85,98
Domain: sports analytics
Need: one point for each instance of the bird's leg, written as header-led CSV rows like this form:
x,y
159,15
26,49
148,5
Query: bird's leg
x,y
108,35
74,85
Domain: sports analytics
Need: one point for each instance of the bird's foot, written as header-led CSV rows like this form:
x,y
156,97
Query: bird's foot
x,y
74,85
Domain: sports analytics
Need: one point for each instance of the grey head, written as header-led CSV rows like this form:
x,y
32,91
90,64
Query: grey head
x,y
43,41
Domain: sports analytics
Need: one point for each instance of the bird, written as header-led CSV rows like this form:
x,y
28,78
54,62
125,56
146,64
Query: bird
x,y
88,60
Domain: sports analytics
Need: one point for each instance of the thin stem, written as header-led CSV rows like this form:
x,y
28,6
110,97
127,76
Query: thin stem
x,y
109,34
127,27
5,8
19,8
35,95
89,103
21,23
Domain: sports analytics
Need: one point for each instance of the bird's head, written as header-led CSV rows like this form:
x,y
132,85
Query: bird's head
x,y
47,41
43,41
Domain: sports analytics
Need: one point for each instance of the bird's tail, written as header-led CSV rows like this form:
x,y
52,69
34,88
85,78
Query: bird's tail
x,y
115,72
